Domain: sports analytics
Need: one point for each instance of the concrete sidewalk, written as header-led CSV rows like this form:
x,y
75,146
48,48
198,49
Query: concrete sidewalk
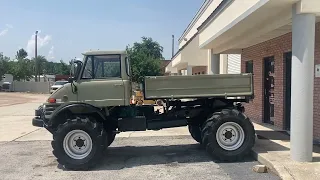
x,y
272,149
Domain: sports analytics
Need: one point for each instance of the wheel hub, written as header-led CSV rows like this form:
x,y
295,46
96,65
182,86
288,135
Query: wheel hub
x,y
80,142
230,136
77,144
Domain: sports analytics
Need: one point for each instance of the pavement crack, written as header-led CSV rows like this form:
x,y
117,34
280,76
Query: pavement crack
x,y
130,134
289,172
24,135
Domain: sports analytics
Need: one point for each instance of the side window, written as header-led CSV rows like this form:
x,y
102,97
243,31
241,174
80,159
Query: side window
x,y
249,67
87,73
108,66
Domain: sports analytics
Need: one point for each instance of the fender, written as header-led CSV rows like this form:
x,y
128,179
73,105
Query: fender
x,y
75,108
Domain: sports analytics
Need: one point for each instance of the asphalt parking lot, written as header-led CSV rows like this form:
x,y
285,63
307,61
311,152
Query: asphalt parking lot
x,y
25,152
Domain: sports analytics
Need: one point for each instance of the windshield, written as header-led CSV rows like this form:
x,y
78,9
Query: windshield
x,y
102,66
60,82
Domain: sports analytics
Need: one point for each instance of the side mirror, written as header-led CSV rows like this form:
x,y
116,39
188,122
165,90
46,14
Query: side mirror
x,y
73,68
70,79
128,66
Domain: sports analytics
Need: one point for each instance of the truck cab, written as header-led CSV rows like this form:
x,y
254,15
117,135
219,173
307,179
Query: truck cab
x,y
101,79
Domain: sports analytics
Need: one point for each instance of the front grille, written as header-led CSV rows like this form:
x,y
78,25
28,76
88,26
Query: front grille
x,y
54,88
6,86
48,109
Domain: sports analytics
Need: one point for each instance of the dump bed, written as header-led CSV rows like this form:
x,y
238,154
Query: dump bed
x,y
198,86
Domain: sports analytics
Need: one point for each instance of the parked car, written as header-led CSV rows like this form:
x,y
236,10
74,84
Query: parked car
x,y
7,87
57,85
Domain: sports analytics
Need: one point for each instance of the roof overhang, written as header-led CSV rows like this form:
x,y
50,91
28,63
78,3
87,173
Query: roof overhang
x,y
190,54
170,69
240,25
193,54
198,15
177,61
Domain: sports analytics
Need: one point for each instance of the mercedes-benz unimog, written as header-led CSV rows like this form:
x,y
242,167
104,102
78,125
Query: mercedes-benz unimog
x,y
85,114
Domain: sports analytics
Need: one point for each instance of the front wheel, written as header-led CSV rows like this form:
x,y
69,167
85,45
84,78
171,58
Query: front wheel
x,y
78,144
110,138
228,135
195,132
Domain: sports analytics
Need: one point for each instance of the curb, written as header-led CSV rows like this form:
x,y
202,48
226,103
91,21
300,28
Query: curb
x,y
279,170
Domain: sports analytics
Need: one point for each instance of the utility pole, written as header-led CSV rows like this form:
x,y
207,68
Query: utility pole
x,y
172,46
36,57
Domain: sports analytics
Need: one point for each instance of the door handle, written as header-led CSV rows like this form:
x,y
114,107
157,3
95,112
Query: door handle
x,y
118,85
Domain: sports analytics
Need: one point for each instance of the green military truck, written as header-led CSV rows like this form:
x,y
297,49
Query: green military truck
x,y
85,114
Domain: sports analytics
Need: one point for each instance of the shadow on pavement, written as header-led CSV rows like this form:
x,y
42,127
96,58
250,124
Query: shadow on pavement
x,y
316,159
266,145
117,158
130,156
273,135
316,149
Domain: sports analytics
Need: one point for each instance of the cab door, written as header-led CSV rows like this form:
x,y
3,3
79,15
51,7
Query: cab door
x,y
100,83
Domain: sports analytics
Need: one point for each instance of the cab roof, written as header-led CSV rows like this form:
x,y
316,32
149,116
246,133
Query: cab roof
x,y
100,52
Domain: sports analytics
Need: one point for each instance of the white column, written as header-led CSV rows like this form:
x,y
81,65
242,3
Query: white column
x,y
184,72
223,64
189,70
303,40
213,63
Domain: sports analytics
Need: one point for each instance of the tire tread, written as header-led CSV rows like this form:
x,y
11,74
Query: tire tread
x,y
212,124
94,128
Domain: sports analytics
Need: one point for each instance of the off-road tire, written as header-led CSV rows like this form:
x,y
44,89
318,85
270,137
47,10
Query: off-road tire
x,y
209,130
110,138
95,131
195,132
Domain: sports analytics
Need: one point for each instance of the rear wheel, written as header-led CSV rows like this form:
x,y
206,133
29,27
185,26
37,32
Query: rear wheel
x,y
195,132
78,144
228,135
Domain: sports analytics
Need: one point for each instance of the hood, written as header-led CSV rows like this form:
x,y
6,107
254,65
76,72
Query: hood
x,y
56,86
64,93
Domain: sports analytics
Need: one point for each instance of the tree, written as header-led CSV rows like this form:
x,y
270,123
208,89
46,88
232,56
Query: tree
x,y
21,54
23,68
4,65
57,68
41,63
145,59
64,68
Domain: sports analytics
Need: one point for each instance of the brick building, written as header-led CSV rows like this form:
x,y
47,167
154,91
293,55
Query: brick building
x,y
275,109
278,42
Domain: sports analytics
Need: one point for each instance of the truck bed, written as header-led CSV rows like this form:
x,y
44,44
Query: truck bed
x,y
198,86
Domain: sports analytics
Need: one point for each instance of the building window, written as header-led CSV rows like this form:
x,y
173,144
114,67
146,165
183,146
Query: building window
x,y
249,66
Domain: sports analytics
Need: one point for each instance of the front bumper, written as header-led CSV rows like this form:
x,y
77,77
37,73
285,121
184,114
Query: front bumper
x,y
43,114
37,122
